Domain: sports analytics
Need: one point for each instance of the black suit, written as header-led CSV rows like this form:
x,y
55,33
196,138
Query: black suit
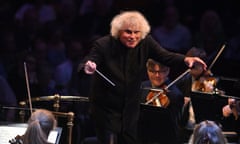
x,y
116,108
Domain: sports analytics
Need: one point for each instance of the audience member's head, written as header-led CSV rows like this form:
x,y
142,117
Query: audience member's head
x,y
207,132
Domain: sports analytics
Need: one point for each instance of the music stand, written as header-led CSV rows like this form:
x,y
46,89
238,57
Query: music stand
x,y
230,86
207,106
156,125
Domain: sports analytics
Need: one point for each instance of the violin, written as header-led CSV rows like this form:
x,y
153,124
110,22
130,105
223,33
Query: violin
x,y
205,83
158,98
17,140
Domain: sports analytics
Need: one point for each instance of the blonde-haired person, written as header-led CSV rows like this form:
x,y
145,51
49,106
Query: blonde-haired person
x,y
121,57
207,132
40,124
126,20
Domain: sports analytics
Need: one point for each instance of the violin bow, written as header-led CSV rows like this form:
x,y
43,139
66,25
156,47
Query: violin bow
x,y
178,78
28,87
98,72
169,85
215,59
154,97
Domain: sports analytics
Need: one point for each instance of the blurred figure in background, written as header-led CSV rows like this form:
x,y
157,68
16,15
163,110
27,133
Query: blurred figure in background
x,y
7,99
171,34
210,36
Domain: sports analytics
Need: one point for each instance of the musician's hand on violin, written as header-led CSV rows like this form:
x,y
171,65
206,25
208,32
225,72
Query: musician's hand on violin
x,y
230,108
90,67
191,60
226,111
17,140
231,101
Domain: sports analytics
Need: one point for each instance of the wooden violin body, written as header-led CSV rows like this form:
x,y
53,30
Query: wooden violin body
x,y
157,98
205,84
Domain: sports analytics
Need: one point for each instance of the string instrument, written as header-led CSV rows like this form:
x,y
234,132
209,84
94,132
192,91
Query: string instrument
x,y
158,98
17,140
206,82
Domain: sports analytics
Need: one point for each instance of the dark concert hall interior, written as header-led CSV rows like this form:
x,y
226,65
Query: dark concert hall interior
x,y
43,44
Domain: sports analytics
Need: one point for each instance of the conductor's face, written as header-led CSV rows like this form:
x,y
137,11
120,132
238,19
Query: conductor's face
x,y
130,36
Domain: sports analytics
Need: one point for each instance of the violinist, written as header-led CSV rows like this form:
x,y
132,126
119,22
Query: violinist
x,y
158,79
40,124
231,111
188,83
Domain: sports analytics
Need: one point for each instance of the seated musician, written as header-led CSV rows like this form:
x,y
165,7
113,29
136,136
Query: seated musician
x,y
158,79
40,124
189,83
232,109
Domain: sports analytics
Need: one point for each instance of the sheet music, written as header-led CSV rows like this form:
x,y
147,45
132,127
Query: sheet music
x,y
8,132
52,137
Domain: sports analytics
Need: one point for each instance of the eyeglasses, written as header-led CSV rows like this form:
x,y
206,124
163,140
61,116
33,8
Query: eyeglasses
x,y
157,72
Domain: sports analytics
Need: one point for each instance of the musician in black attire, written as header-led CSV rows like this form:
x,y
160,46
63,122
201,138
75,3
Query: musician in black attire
x,y
187,84
231,111
158,79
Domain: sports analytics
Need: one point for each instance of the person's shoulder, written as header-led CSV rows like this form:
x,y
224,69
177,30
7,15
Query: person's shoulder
x,y
148,39
105,38
106,42
145,84
149,36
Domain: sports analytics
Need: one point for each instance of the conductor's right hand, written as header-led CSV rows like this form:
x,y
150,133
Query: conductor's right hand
x,y
90,67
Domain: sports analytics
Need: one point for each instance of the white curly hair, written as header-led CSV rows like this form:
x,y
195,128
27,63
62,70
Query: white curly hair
x,y
129,18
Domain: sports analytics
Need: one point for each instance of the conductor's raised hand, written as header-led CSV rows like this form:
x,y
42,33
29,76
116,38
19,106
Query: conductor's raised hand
x,y
190,61
90,67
